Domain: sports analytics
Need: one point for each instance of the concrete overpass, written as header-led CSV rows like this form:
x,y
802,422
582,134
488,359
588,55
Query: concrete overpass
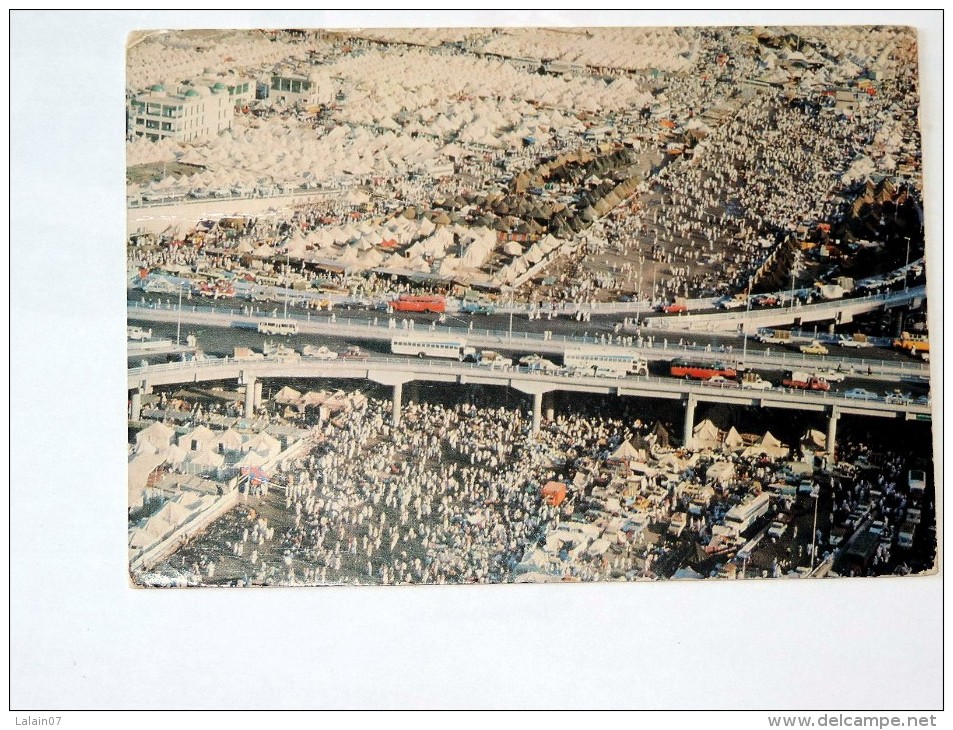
x,y
395,373
841,311
656,348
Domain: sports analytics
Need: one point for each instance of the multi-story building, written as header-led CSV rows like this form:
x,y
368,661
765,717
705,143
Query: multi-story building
x,y
290,88
241,89
190,113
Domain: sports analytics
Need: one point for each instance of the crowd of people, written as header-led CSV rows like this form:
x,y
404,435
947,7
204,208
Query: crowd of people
x,y
455,495
758,161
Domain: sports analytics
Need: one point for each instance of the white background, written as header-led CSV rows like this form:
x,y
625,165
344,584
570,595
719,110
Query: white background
x,y
81,638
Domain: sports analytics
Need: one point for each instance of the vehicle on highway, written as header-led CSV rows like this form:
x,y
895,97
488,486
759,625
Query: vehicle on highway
x,y
899,399
353,353
861,394
319,353
730,302
246,353
814,348
805,381
411,303
423,345
753,381
494,360
832,375
138,334
280,352
777,529
278,327
765,300
768,336
856,342
535,362
478,307
913,344
721,382
677,306
700,369
610,359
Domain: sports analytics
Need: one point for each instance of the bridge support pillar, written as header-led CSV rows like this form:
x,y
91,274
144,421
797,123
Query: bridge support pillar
x,y
135,410
537,412
258,399
395,407
690,404
250,383
832,435
550,408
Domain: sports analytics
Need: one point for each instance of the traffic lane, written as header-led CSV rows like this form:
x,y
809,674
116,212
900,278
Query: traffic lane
x,y
730,344
221,341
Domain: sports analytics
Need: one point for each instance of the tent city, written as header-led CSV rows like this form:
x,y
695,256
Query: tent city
x,y
508,305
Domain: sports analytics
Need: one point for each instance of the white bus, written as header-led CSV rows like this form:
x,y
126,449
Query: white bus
x,y
616,361
423,345
278,327
742,516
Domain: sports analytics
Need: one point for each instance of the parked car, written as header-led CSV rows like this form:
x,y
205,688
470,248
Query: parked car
x,y
860,394
815,348
777,529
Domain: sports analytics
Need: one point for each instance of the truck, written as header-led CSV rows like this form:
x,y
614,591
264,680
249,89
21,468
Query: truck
x,y
805,381
493,359
753,381
677,306
773,336
912,344
857,341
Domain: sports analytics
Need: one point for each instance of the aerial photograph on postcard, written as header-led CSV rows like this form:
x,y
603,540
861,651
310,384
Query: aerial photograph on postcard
x,y
526,305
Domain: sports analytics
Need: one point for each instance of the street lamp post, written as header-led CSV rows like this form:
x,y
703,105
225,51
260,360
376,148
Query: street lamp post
x,y
816,494
744,328
906,265
178,324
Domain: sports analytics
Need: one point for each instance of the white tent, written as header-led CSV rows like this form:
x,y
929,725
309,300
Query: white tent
x,y
706,436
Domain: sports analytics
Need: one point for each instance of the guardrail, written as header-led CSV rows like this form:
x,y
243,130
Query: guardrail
x,y
360,370
655,348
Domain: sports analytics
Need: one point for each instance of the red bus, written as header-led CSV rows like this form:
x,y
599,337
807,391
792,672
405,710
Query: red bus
x,y
409,303
701,370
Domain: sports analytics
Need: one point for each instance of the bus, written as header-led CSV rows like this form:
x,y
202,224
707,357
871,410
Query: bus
x,y
913,344
278,327
740,517
410,303
612,360
701,370
423,345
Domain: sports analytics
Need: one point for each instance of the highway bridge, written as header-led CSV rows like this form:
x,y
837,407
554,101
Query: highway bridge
x,y
653,348
395,372
841,311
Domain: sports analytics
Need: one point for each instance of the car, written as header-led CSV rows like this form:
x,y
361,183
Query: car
x,y
853,343
832,375
876,527
898,398
720,381
777,529
861,394
815,348
319,353
353,353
